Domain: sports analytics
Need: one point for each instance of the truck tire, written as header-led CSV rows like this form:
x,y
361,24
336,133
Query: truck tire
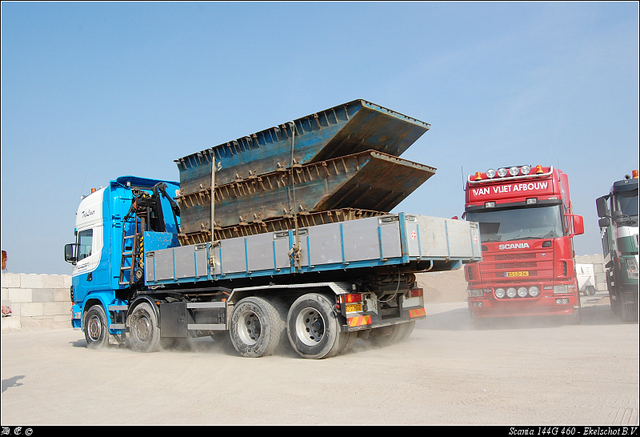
x,y
614,296
256,327
144,329
388,335
408,330
629,308
348,340
96,327
313,327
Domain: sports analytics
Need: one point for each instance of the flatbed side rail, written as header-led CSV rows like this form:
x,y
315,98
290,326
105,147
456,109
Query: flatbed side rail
x,y
390,240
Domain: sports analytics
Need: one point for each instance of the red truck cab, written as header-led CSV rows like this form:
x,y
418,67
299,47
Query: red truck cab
x,y
526,228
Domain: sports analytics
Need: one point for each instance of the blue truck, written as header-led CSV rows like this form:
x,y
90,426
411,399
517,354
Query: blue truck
x,y
283,236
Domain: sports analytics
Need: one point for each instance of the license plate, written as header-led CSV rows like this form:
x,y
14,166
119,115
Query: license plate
x,y
353,307
515,274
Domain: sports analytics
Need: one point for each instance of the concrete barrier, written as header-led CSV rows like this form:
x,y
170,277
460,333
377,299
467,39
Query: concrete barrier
x,y
598,269
36,301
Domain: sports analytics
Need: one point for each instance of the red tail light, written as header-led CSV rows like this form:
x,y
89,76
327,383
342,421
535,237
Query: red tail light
x,y
415,292
352,298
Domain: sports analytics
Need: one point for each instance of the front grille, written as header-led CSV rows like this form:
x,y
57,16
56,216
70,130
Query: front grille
x,y
527,265
513,256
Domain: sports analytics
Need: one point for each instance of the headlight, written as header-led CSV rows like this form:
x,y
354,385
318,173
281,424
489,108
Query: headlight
x,y
534,291
502,172
525,169
491,173
500,293
632,268
475,292
522,292
511,292
560,289
513,171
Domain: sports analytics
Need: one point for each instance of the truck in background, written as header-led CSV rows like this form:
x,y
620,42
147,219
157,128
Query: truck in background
x,y
586,279
282,234
618,212
527,227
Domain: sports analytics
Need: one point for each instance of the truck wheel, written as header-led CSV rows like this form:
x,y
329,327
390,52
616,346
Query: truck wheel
x,y
576,317
614,301
392,334
313,327
348,340
144,329
408,330
96,327
629,310
256,327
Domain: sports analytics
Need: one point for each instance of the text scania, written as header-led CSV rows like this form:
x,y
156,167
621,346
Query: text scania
x,y
514,246
513,188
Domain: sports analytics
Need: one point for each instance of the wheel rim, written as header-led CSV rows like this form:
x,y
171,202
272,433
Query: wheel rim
x,y
249,328
94,328
142,326
310,326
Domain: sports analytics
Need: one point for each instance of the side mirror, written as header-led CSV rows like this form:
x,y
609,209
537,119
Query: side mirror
x,y
578,225
601,206
619,217
70,253
604,222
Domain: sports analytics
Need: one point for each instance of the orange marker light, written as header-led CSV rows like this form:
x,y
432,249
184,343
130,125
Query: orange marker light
x,y
478,177
634,174
539,169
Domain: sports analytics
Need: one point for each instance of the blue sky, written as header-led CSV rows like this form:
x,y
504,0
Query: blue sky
x,y
93,91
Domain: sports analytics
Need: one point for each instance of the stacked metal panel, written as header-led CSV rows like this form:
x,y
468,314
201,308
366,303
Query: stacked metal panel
x,y
336,165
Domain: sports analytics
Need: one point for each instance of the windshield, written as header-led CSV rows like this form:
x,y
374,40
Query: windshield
x,y
627,202
625,208
518,224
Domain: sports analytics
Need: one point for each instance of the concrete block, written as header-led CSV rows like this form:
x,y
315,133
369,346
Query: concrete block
x,y
5,294
67,281
30,280
20,295
61,295
11,280
59,318
16,309
32,309
10,323
53,281
54,308
42,295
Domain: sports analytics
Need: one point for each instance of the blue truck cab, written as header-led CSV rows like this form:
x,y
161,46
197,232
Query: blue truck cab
x,y
106,256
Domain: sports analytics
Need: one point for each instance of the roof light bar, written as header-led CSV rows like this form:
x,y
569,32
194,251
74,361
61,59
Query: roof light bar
x,y
514,172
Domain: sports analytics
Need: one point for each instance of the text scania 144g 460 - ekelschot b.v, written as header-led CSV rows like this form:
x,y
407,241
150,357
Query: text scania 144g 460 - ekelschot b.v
x,y
282,236
527,229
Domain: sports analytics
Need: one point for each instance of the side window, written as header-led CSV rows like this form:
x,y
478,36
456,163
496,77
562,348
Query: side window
x,y
85,239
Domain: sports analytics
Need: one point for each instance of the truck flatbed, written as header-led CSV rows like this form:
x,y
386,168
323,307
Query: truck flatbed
x,y
392,240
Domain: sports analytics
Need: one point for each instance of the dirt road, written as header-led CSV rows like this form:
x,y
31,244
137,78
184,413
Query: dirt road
x,y
514,373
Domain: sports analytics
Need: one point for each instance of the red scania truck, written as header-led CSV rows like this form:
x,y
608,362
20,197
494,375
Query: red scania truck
x,y
526,229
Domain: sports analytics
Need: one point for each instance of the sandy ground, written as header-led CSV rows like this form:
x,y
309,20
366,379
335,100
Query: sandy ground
x,y
518,372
